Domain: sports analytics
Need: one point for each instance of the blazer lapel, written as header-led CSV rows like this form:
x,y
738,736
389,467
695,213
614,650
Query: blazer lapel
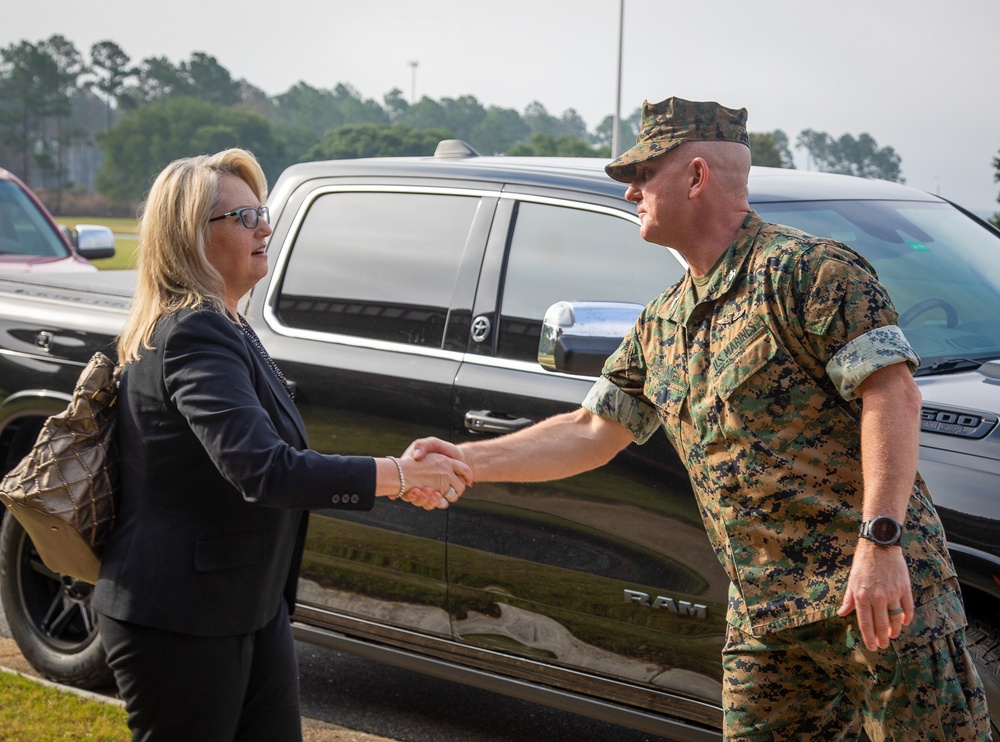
x,y
278,392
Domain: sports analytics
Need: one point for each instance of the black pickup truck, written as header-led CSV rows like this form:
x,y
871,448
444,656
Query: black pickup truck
x,y
408,297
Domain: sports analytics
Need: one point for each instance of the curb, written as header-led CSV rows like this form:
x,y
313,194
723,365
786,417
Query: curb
x,y
13,662
89,695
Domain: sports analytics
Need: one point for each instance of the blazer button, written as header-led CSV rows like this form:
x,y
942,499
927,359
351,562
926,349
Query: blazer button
x,y
335,499
354,499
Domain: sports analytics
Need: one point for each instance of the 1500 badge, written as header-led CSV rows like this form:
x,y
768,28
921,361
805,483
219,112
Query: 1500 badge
x,y
955,421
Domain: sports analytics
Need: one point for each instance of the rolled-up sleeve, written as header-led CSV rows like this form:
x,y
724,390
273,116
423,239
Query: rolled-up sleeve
x,y
867,353
610,402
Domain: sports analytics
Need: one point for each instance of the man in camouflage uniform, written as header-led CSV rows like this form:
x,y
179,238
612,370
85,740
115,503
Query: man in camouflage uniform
x,y
778,372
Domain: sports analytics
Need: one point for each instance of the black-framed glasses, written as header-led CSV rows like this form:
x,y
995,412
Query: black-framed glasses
x,y
248,215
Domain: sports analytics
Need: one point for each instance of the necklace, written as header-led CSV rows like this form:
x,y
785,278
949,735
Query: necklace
x,y
255,342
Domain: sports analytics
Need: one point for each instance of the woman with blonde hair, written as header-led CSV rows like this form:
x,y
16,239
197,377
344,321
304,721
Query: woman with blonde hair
x,y
199,577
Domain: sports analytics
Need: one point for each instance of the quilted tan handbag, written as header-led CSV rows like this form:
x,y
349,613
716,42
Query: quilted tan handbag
x,y
65,491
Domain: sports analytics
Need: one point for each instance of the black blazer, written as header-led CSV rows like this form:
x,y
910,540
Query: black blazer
x,y
216,476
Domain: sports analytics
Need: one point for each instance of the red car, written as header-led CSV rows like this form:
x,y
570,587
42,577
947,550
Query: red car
x,y
31,242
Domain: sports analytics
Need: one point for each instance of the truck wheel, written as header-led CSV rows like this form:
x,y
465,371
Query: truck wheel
x,y
49,614
984,645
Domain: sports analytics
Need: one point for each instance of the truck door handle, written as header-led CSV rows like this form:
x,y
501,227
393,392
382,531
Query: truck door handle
x,y
486,421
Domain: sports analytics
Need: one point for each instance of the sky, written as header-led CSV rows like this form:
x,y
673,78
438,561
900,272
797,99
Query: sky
x,y
916,75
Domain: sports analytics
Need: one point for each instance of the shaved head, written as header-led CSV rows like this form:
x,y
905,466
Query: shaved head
x,y
729,163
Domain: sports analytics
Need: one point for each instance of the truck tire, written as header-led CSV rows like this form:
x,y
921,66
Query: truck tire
x,y
49,615
984,645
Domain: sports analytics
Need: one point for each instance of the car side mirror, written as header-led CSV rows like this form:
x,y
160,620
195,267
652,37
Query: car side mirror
x,y
94,241
577,337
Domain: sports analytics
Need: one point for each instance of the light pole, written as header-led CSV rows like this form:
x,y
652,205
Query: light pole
x,y
413,82
616,120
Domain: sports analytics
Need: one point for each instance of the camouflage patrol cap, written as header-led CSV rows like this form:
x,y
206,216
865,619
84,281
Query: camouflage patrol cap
x,y
668,124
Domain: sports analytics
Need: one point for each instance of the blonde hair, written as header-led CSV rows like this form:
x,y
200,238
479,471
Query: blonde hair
x,y
173,271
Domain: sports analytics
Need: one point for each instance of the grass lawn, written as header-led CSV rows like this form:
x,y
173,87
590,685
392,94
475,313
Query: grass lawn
x,y
124,256
118,226
31,711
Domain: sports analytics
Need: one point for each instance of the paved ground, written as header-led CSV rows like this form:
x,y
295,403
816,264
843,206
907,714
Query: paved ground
x,y
312,730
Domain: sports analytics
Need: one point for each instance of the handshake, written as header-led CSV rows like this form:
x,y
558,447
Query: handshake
x,y
432,474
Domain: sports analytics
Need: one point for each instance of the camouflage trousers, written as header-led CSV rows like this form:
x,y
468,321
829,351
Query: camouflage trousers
x,y
819,682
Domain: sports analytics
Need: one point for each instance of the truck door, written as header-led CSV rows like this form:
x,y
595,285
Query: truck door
x,y
609,572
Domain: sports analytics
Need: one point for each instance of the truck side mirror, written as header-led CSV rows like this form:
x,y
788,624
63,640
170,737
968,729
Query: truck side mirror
x,y
94,241
577,337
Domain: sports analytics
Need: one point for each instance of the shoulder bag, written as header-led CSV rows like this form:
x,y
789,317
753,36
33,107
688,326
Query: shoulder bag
x,y
65,491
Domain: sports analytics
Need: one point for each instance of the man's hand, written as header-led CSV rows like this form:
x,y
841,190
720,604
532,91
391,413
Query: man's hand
x,y
434,481
879,593
423,446
429,498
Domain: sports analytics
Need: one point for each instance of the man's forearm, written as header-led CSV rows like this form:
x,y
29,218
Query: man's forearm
x,y
890,439
878,589
557,447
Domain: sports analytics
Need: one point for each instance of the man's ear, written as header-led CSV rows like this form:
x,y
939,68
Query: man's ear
x,y
698,175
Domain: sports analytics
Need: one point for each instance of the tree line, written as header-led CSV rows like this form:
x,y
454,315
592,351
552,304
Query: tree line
x,y
103,123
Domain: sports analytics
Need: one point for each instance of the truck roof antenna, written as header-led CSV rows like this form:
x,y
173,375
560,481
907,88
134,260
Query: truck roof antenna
x,y
454,148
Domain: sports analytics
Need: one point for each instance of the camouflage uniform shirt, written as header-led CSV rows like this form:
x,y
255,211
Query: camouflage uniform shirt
x,y
754,386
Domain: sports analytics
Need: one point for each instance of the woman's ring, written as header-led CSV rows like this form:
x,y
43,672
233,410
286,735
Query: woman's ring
x,y
450,494
895,611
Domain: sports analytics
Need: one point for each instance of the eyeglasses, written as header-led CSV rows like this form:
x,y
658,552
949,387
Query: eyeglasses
x,y
248,215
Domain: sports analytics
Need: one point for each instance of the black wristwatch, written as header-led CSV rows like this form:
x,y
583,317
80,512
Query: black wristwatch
x,y
883,530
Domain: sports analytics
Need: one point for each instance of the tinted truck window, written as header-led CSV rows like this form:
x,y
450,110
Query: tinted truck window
x,y
377,265
569,254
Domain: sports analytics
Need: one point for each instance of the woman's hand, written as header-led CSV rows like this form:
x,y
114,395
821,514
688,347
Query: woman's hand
x,y
435,480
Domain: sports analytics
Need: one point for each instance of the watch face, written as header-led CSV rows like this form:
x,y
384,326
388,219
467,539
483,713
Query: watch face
x,y
884,529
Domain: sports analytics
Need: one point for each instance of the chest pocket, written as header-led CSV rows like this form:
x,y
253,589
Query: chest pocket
x,y
764,393
666,386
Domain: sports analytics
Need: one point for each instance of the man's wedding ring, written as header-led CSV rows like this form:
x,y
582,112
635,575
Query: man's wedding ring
x,y
895,611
